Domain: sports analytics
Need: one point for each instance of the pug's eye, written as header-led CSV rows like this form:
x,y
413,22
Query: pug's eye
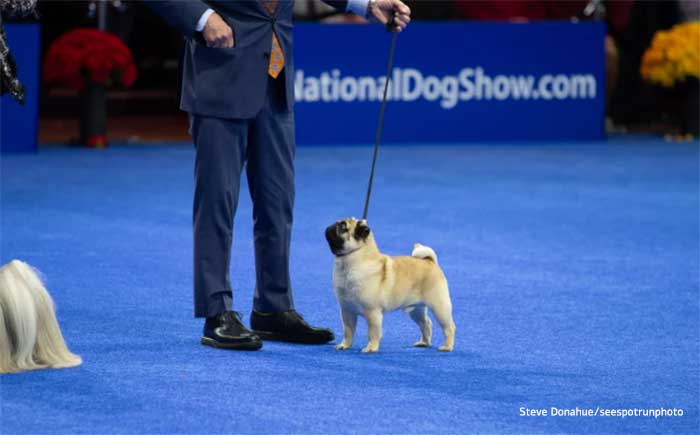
x,y
343,227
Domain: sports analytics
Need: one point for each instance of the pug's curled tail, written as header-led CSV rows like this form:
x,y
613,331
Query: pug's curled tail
x,y
422,251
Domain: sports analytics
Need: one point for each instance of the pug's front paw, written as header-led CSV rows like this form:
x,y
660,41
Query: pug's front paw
x,y
342,346
370,349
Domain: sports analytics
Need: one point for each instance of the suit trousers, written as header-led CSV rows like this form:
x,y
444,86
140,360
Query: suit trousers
x,y
265,146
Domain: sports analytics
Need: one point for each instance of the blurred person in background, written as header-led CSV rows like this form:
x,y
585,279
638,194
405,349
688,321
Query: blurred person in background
x,y
238,87
9,83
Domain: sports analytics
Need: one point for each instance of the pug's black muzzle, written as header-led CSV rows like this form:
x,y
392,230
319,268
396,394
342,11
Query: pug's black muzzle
x,y
335,242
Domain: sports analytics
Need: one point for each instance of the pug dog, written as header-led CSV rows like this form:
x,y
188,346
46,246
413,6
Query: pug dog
x,y
368,283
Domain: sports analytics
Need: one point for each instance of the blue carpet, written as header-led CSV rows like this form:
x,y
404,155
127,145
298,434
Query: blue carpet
x,y
573,270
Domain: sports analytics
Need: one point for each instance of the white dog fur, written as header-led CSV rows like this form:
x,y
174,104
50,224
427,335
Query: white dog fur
x,y
30,337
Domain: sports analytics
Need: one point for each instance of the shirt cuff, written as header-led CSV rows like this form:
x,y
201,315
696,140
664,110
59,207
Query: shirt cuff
x,y
358,7
205,17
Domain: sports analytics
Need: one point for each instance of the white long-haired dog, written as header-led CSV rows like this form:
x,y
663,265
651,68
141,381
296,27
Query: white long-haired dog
x,y
30,337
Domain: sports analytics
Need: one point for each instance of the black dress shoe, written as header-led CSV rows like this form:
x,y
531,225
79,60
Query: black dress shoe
x,y
226,331
288,326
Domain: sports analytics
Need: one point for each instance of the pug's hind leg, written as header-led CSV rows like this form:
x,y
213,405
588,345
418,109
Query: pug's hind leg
x,y
349,324
441,306
374,330
419,314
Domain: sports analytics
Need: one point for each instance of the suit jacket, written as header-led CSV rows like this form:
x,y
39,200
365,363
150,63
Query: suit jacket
x,y
231,82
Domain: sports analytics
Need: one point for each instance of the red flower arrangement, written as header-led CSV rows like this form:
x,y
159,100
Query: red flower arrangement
x,y
89,56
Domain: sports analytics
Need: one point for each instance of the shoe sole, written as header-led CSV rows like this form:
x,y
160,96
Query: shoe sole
x,y
230,346
273,336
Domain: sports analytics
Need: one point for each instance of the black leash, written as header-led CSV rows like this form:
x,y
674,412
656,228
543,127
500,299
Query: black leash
x,y
390,27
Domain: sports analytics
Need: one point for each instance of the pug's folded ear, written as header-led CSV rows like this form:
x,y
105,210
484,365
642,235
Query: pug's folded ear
x,y
361,230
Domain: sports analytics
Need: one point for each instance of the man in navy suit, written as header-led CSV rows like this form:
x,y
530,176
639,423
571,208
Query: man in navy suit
x,y
238,87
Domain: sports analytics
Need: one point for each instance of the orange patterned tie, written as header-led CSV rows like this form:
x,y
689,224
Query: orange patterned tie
x,y
276,54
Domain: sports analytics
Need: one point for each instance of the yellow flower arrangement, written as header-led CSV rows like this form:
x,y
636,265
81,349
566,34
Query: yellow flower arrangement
x,y
673,56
